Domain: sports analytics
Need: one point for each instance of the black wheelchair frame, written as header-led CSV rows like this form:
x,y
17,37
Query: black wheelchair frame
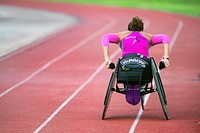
x,y
113,87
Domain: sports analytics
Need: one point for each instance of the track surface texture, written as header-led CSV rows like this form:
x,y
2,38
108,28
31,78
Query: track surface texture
x,y
59,84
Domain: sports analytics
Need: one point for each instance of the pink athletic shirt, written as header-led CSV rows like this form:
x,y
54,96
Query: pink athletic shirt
x,y
135,43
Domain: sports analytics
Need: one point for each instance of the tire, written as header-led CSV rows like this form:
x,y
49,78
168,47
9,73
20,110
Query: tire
x,y
108,95
160,89
161,95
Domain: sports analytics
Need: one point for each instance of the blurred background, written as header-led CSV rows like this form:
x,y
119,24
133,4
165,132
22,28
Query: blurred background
x,y
186,7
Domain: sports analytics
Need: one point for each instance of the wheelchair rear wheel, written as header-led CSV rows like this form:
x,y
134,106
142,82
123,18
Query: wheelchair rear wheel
x,y
109,92
160,89
161,95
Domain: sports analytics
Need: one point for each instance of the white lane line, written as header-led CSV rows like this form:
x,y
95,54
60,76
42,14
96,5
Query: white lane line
x,y
175,36
80,44
176,33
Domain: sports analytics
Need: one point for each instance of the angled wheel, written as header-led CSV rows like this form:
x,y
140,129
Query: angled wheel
x,y
109,92
161,95
160,89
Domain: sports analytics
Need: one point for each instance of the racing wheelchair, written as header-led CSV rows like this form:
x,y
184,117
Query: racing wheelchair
x,y
136,69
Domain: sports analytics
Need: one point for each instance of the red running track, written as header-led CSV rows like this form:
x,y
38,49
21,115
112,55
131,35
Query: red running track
x,y
59,85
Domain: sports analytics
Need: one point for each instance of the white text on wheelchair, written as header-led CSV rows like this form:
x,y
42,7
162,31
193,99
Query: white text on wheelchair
x,y
134,61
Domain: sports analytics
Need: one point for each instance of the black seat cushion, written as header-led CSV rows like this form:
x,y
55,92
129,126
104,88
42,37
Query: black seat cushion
x,y
134,69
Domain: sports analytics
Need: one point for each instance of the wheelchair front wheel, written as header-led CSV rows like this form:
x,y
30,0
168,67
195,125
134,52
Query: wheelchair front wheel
x,y
108,94
142,102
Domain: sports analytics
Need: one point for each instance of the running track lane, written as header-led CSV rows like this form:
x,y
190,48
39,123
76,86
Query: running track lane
x,y
25,108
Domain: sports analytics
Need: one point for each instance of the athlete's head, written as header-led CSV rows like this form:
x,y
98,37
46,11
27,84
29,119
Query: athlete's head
x,y
136,24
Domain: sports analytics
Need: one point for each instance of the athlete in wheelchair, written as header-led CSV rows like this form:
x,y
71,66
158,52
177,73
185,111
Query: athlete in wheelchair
x,y
135,69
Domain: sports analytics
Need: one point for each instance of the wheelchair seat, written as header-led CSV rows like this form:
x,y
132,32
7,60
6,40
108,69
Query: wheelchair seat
x,y
133,69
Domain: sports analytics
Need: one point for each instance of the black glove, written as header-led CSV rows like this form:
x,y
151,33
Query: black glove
x,y
111,65
161,65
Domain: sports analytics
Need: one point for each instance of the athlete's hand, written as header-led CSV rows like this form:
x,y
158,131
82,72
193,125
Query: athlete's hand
x,y
107,61
164,63
109,64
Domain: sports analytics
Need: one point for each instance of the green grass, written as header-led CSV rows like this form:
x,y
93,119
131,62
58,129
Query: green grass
x,y
186,7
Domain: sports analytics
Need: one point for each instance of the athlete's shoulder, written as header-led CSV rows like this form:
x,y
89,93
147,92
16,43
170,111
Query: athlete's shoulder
x,y
146,35
123,34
